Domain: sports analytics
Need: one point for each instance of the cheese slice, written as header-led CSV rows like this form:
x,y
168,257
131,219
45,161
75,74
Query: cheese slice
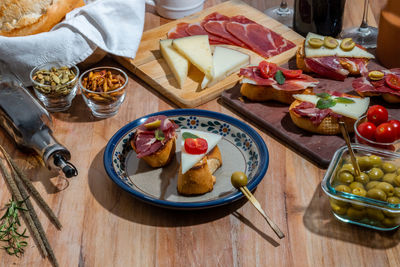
x,y
178,64
189,160
197,50
352,110
225,62
323,51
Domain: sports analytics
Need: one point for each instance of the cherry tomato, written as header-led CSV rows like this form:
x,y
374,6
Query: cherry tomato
x,y
393,81
196,145
290,74
377,115
396,127
367,130
267,69
385,133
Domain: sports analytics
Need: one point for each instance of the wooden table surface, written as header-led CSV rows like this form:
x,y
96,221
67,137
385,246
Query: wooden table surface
x,y
105,226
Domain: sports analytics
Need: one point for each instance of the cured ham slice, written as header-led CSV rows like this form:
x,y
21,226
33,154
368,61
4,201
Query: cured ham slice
x,y
260,39
329,67
316,115
216,16
197,29
179,31
218,28
365,85
145,139
253,75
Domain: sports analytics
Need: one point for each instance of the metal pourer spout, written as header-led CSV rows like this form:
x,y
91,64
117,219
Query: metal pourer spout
x,y
67,167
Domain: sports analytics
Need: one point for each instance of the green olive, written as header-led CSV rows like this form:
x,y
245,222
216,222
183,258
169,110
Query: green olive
x,y
341,203
375,174
396,180
396,192
346,177
355,214
371,185
359,192
354,185
362,178
238,179
386,187
388,167
393,200
376,161
389,178
390,222
347,167
338,209
364,163
375,214
343,188
376,193
398,171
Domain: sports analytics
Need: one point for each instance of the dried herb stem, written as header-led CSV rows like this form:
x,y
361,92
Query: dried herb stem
x,y
17,195
53,218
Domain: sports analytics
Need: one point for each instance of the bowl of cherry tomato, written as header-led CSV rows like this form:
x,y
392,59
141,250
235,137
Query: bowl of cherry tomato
x,y
378,129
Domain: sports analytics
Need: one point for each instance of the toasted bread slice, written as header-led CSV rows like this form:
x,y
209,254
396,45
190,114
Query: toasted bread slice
x,y
199,179
161,157
328,126
262,93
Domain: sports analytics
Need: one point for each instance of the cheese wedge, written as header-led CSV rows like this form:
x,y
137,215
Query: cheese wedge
x,y
352,110
323,51
189,160
225,62
178,64
197,50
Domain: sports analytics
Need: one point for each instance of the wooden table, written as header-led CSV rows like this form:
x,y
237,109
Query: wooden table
x,y
105,226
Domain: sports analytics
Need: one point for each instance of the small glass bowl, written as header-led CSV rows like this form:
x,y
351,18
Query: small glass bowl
x,y
359,139
359,210
56,97
104,104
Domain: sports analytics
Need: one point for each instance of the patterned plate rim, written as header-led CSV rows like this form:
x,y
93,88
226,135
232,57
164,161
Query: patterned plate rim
x,y
258,141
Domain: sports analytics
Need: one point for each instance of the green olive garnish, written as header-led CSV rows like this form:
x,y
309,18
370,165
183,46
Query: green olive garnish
x,y
330,42
238,179
153,125
315,42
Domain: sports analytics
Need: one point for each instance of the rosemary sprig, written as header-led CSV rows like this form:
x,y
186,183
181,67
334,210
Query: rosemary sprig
x,y
9,229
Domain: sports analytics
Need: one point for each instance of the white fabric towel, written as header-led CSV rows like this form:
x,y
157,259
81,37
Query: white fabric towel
x,y
115,26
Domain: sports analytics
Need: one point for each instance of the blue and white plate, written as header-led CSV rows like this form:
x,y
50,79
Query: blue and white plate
x,y
241,147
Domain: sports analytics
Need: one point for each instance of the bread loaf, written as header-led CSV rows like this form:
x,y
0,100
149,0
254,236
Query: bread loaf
x,y
27,17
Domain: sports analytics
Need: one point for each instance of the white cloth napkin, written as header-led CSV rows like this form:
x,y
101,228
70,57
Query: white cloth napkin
x,y
115,26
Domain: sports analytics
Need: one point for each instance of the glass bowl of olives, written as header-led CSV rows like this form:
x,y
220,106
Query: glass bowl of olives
x,y
371,199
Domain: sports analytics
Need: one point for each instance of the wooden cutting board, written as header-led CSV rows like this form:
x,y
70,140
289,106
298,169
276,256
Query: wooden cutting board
x,y
151,67
274,117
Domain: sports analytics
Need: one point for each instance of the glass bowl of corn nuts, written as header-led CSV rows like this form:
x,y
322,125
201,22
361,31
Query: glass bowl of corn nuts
x,y
104,90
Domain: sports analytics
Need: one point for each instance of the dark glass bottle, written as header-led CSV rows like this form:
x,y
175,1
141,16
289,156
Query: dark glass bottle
x,y
324,17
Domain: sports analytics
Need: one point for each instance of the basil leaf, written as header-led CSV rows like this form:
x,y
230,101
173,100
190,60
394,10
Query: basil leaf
x,y
323,95
159,135
344,100
186,135
279,77
325,103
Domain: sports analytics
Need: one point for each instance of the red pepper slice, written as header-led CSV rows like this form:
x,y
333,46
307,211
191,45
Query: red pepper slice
x,y
393,81
196,146
267,69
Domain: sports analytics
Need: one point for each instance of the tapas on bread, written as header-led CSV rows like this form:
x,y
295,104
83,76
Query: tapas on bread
x,y
322,112
154,141
267,81
385,83
332,58
241,148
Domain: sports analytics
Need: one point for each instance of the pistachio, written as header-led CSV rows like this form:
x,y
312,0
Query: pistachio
x,y
55,81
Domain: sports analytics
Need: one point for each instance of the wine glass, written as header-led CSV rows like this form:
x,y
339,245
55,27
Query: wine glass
x,y
283,14
364,35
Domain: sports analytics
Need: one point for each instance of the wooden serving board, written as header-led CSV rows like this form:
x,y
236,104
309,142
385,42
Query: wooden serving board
x,y
275,118
151,67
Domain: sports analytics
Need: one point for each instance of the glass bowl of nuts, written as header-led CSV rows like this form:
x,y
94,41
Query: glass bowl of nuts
x,y
103,89
55,85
